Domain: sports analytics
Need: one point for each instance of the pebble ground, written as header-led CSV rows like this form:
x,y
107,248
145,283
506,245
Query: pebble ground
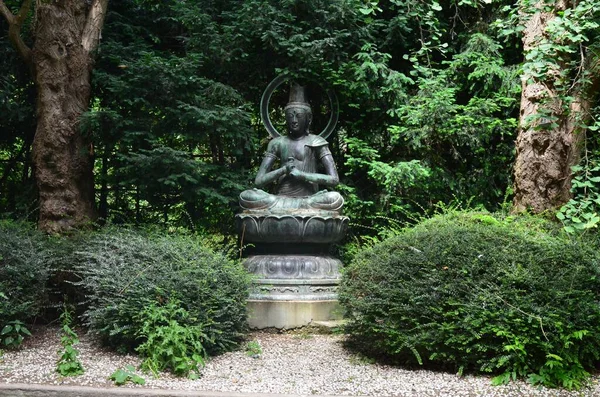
x,y
300,363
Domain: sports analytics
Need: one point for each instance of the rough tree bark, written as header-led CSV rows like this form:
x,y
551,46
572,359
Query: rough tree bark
x,y
544,155
66,35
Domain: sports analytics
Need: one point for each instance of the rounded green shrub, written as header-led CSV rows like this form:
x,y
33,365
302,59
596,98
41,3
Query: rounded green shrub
x,y
125,272
467,291
24,272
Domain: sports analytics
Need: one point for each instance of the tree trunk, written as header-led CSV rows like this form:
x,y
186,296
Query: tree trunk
x,y
66,34
545,148
61,154
544,158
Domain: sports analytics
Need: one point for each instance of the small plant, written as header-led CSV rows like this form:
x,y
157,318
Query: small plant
x,y
171,342
68,363
12,335
253,349
127,374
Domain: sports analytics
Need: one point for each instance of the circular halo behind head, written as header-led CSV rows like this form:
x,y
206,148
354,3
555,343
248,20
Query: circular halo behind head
x,y
266,97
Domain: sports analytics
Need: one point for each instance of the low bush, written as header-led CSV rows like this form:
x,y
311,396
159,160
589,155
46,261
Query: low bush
x,y
24,272
125,272
468,291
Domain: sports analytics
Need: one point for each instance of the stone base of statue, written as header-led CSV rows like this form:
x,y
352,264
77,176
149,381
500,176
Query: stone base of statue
x,y
296,279
290,314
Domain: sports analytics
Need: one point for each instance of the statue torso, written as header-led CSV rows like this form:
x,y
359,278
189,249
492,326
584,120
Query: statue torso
x,y
306,152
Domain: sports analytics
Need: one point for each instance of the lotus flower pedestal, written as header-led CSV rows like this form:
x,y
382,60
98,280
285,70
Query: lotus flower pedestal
x,y
296,279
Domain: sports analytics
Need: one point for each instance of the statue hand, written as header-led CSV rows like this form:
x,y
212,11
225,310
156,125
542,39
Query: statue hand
x,y
296,173
290,165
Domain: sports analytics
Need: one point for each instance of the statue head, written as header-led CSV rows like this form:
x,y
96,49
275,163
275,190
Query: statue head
x,y
298,114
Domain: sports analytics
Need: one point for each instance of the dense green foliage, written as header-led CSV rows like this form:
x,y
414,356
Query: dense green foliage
x,y
134,279
471,292
428,105
24,272
17,129
169,296
581,214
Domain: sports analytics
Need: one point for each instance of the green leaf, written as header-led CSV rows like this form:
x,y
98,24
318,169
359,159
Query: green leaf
x,y
120,377
501,379
7,328
138,380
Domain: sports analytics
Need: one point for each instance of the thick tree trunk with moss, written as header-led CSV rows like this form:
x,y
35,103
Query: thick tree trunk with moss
x,y
544,157
546,146
61,59
61,154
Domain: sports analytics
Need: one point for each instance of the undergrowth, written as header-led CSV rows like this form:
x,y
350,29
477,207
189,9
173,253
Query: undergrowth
x,y
170,344
136,278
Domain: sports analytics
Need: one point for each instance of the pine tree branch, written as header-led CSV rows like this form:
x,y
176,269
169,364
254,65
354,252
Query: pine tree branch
x,y
93,25
14,28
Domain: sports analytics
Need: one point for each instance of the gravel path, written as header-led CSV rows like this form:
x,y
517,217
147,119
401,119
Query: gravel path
x,y
290,363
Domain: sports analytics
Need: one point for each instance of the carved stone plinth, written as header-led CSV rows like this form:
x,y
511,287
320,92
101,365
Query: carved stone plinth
x,y
291,313
296,279
294,267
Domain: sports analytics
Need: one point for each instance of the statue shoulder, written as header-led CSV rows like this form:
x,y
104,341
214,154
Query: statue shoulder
x,y
274,144
316,140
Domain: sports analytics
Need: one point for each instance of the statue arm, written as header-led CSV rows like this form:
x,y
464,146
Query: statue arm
x,y
265,176
330,178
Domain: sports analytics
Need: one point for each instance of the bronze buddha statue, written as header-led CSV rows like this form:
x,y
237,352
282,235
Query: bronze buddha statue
x,y
297,178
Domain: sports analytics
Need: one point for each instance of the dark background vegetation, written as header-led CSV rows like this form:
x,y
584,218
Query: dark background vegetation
x,y
176,86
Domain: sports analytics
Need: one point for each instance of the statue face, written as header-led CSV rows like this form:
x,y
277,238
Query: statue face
x,y
298,120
